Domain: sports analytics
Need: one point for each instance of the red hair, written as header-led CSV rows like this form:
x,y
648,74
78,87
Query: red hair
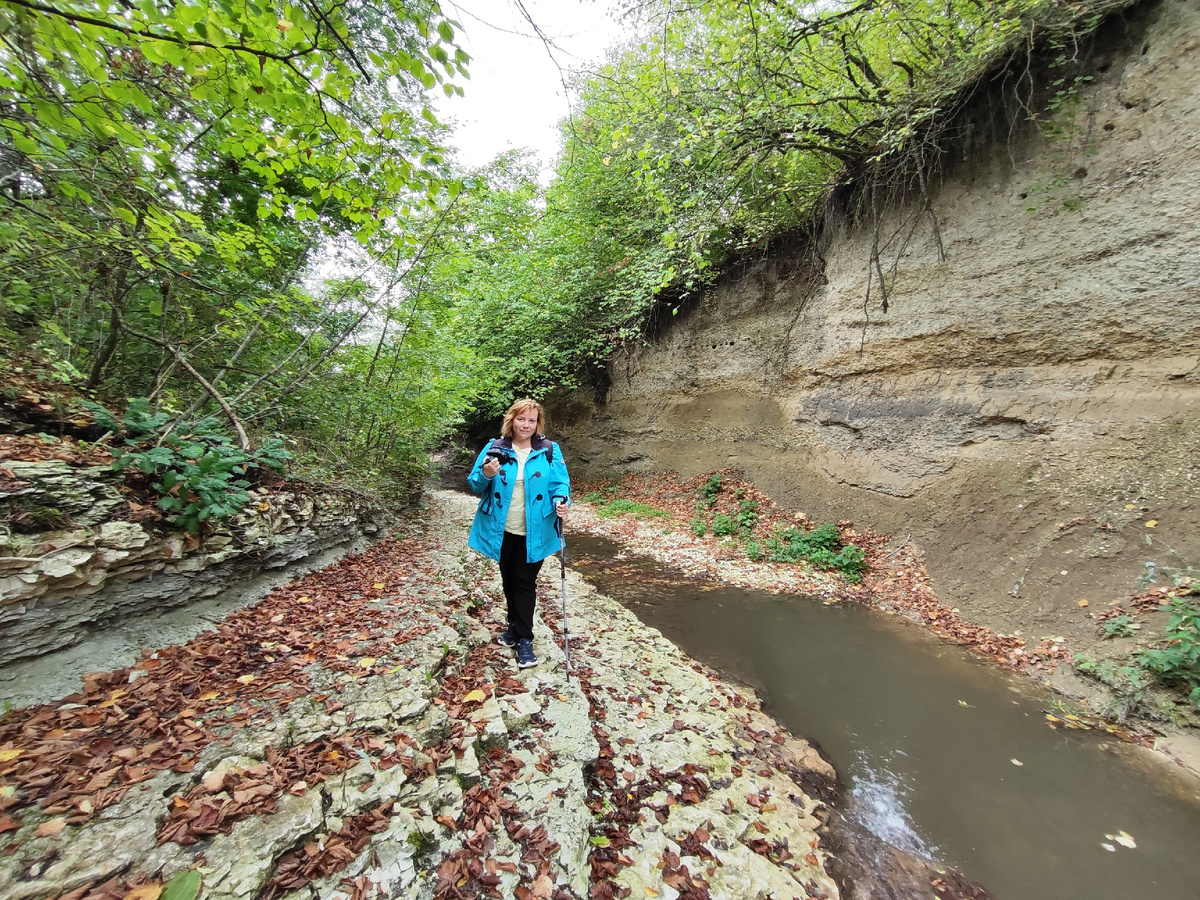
x,y
519,407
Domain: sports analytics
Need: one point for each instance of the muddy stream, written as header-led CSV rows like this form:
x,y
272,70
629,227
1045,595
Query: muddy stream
x,y
942,754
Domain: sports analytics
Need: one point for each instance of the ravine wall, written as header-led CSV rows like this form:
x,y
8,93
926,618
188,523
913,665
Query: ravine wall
x,y
1026,408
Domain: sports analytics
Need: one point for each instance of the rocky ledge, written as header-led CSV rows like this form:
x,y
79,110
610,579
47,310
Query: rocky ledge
x,y
359,733
58,586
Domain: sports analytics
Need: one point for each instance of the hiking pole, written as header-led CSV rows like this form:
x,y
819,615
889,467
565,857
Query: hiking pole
x,y
562,559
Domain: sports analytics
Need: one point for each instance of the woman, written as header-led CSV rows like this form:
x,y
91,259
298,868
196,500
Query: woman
x,y
526,493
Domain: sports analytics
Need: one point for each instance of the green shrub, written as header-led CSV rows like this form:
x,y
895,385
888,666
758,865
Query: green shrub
x,y
1118,626
200,470
1178,662
723,525
710,489
698,527
747,516
754,551
822,547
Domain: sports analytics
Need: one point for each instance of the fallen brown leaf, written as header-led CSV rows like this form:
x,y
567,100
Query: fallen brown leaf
x,y
51,827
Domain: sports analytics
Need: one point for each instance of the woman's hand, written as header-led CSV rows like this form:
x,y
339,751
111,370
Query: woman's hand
x,y
562,508
491,467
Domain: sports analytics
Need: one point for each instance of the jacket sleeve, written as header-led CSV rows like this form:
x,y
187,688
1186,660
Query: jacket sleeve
x,y
560,481
476,480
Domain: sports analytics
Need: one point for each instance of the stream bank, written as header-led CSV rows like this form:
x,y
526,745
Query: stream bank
x,y
942,753
895,582
358,733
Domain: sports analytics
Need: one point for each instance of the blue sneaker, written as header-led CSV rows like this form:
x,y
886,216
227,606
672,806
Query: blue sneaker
x,y
507,639
525,656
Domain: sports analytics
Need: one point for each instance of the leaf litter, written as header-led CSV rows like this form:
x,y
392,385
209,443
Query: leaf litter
x,y
73,759
63,764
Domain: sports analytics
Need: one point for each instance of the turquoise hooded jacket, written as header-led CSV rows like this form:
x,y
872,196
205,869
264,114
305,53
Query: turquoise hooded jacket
x,y
545,479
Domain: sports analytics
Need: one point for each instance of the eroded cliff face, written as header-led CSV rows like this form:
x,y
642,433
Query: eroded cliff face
x,y
1026,409
58,587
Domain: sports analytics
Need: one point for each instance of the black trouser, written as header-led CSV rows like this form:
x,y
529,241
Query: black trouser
x,y
520,584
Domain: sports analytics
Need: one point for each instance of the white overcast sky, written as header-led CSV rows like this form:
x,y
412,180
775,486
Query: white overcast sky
x,y
515,95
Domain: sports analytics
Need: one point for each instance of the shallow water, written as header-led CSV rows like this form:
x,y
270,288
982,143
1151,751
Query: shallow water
x,y
945,754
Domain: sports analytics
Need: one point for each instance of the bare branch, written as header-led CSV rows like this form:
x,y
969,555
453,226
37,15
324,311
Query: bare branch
x,y
181,358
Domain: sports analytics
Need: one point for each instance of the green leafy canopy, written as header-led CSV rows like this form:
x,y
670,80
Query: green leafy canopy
x,y
723,125
170,171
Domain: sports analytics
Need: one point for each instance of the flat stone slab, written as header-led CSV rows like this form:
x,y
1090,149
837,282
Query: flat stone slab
x,y
430,758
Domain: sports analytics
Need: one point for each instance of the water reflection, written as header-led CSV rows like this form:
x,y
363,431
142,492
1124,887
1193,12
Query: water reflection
x,y
951,754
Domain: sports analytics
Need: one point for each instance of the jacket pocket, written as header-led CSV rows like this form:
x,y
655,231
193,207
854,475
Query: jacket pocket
x,y
542,503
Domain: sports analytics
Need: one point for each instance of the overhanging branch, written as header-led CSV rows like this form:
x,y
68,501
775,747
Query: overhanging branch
x,y
226,407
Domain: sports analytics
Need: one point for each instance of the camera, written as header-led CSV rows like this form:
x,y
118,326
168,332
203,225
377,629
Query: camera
x,y
500,455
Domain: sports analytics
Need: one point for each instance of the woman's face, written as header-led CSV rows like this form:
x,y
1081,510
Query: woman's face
x,y
524,424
